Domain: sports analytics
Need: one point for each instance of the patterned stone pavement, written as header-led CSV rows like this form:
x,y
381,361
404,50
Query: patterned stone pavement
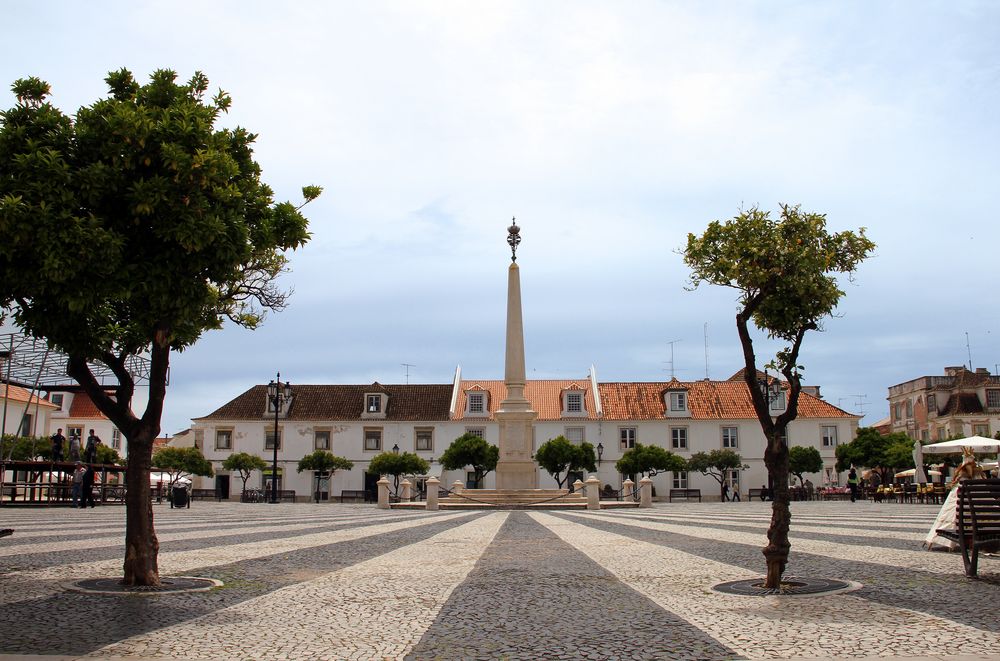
x,y
355,582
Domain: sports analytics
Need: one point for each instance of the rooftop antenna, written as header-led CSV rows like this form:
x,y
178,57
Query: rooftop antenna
x,y
407,366
861,403
672,343
706,351
968,349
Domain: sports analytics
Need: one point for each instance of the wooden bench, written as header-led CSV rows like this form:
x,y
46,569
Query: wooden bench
x,y
686,494
202,494
354,494
978,521
286,495
755,494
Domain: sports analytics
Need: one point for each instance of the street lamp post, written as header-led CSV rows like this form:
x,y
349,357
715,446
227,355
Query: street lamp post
x,y
277,393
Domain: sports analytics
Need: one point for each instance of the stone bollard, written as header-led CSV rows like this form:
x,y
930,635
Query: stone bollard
x,y
383,493
645,492
456,486
593,493
627,487
432,492
407,491
577,486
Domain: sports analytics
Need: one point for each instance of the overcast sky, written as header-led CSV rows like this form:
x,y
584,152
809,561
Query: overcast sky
x,y
610,130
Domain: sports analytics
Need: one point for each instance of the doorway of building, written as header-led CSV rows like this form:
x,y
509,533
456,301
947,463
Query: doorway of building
x,y
371,487
222,487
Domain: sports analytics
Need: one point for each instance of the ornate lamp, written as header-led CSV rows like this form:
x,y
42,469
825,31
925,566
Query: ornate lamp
x,y
513,239
277,393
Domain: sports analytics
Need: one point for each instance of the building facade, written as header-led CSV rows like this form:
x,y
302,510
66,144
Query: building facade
x,y
959,403
358,422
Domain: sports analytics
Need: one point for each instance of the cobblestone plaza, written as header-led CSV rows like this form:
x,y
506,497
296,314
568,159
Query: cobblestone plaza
x,y
354,582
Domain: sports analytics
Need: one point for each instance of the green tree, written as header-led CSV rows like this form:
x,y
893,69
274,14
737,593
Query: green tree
x,y
398,465
471,450
558,456
25,448
127,230
649,460
325,463
883,453
717,464
181,462
783,269
802,459
245,464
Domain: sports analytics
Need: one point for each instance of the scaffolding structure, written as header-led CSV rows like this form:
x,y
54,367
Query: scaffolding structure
x,y
29,362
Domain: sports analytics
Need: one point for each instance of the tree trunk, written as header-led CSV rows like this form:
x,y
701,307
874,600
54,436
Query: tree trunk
x,y
141,545
776,551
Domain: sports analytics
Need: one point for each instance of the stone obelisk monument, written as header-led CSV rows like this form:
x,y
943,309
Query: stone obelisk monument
x,y
515,469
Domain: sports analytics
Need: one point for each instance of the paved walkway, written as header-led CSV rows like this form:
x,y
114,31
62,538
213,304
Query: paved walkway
x,y
355,582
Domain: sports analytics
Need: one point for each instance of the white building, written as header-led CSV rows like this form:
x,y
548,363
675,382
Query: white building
x,y
76,414
358,422
24,413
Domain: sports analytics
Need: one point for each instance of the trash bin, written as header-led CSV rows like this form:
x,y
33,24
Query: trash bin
x,y
179,497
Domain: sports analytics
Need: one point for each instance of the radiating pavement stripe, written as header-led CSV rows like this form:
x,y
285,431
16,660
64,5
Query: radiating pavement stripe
x,y
374,609
762,627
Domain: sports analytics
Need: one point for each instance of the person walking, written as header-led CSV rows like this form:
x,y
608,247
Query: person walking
x,y
852,483
725,491
57,445
91,452
87,487
78,474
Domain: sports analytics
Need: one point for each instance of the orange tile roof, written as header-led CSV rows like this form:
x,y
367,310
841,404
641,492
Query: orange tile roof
x,y
18,394
545,397
84,408
708,400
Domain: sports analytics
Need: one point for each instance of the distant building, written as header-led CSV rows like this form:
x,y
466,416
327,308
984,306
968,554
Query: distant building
x,y
958,404
358,422
23,413
77,415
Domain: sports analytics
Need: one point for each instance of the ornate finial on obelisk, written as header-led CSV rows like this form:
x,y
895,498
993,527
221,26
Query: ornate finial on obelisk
x,y
513,239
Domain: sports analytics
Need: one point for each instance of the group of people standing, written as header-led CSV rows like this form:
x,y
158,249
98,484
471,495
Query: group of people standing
x,y
82,492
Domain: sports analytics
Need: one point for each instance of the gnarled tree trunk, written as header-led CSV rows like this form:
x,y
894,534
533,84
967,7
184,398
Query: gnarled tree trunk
x,y
776,551
141,545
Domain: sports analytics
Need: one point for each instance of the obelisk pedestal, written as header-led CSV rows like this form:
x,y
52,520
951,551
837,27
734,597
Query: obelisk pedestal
x,y
515,468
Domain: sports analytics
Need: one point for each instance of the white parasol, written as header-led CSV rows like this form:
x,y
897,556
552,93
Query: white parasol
x,y
977,443
912,471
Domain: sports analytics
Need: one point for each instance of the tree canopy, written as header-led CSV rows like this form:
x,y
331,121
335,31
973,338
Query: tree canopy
x,y
324,461
397,465
884,453
648,460
559,457
716,463
244,464
802,460
785,270
182,462
129,229
471,450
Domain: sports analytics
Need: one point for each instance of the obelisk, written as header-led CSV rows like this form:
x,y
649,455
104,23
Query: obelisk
x,y
515,469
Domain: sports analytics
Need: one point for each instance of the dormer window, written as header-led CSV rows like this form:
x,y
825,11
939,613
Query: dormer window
x,y
476,403
573,402
678,401
375,406
776,399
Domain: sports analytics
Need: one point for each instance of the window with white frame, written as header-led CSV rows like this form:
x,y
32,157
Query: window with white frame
x,y
116,439
626,437
993,399
223,439
829,435
373,439
678,401
680,480
424,438
269,439
679,438
776,399
573,401
373,403
56,399
321,439
476,431
74,431
476,402
575,435
730,438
